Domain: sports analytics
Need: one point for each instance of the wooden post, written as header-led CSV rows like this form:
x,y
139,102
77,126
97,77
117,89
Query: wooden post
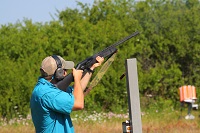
x,y
133,96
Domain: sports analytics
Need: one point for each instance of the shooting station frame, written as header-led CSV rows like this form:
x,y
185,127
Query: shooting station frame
x,y
133,96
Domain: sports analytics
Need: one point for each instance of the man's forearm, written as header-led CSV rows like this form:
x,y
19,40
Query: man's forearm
x,y
88,75
78,95
85,80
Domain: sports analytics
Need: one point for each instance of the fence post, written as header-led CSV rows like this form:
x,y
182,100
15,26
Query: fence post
x,y
133,96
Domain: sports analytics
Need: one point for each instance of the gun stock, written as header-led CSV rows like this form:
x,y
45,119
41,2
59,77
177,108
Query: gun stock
x,y
88,62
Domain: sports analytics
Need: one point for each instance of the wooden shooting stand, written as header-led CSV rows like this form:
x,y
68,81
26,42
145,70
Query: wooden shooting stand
x,y
188,96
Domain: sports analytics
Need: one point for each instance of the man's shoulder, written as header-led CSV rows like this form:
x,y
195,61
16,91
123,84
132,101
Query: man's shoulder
x,y
42,89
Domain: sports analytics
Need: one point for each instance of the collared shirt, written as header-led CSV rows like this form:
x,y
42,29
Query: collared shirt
x,y
51,108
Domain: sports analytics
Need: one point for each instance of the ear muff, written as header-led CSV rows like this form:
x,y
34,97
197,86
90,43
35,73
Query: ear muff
x,y
58,75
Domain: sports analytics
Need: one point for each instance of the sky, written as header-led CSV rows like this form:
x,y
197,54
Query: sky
x,y
12,11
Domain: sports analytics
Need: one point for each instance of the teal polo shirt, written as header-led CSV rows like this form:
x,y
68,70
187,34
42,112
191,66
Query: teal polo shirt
x,y
51,108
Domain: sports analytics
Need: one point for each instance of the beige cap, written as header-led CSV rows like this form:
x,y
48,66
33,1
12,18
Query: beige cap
x,y
49,65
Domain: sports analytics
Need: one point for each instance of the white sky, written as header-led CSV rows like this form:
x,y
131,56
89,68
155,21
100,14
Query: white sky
x,y
12,11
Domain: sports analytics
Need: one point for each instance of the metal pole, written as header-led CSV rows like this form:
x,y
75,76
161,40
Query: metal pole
x,y
133,96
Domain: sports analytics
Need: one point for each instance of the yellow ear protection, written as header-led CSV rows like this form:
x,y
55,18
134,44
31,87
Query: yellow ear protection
x,y
58,75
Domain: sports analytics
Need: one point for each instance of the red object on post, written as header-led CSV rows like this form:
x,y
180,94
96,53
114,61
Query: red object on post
x,y
187,92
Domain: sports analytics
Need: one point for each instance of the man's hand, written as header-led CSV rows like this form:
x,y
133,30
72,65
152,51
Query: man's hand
x,y
77,74
99,62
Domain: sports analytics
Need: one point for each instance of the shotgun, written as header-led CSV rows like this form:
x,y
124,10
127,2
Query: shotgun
x,y
88,62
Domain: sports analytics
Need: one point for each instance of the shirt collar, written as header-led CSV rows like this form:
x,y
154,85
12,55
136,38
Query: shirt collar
x,y
44,81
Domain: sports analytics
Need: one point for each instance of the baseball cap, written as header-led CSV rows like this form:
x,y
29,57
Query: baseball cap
x,y
49,65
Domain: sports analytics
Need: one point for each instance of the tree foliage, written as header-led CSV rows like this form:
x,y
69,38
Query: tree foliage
x,y
167,50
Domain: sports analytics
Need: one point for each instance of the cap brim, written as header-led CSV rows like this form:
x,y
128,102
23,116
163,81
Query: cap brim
x,y
68,64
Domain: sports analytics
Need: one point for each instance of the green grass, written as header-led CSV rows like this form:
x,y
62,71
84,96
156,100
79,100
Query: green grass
x,y
167,121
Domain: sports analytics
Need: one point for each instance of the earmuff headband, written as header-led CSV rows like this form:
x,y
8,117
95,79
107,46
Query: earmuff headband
x,y
58,61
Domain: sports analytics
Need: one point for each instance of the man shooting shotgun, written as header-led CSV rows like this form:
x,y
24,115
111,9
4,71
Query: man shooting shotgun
x,y
53,100
50,106
88,62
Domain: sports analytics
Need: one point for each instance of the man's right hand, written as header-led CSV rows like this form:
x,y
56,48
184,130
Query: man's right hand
x,y
77,74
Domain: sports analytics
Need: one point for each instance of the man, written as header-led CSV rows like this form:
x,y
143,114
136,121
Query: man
x,y
50,106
